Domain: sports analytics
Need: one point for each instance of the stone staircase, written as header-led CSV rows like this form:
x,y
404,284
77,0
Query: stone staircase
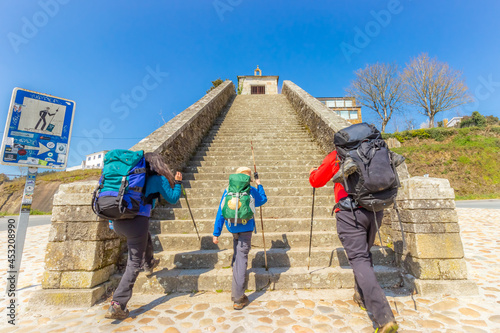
x,y
284,153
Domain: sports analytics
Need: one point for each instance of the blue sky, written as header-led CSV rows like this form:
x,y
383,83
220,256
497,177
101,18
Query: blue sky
x,y
98,53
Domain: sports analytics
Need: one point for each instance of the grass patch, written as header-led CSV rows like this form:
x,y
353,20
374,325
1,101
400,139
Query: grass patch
x,y
468,157
32,212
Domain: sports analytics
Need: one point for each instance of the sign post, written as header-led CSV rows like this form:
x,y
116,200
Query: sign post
x,y
37,135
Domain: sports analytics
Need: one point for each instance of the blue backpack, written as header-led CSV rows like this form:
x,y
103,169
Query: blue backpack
x,y
121,186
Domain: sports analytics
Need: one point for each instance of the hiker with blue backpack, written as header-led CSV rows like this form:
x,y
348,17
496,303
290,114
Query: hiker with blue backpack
x,y
364,172
236,211
129,185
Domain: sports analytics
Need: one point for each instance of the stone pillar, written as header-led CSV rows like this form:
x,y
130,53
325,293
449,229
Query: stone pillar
x,y
82,251
434,257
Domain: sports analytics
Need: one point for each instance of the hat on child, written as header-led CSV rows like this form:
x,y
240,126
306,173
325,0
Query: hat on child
x,y
244,170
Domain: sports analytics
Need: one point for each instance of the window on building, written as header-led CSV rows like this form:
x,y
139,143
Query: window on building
x,y
258,90
330,104
98,164
339,104
88,158
353,114
94,157
99,156
344,114
348,103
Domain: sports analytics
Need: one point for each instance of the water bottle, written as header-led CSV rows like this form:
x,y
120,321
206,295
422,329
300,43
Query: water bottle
x,y
110,224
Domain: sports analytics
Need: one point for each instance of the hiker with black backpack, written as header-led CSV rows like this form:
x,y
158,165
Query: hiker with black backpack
x,y
129,185
366,182
236,211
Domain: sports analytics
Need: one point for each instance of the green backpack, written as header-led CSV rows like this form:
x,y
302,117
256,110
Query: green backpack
x,y
238,206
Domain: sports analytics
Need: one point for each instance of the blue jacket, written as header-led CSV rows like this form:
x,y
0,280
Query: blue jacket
x,y
260,198
159,184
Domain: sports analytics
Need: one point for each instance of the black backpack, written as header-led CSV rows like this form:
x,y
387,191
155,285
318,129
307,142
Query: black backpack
x,y
374,185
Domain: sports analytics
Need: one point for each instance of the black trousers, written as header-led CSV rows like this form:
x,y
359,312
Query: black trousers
x,y
357,234
140,252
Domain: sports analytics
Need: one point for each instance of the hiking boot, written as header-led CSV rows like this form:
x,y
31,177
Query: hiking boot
x,y
349,168
149,270
359,300
244,301
115,311
396,158
391,327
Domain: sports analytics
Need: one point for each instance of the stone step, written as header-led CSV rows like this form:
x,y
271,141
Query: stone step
x,y
269,212
276,257
325,224
257,145
247,153
190,242
272,201
259,140
276,278
264,176
271,192
222,184
261,158
265,163
242,135
259,130
299,170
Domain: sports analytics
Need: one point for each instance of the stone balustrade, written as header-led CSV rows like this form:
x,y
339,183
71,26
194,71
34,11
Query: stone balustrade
x,y
434,257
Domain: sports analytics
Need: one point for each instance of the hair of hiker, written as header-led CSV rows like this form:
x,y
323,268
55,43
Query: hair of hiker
x,y
156,164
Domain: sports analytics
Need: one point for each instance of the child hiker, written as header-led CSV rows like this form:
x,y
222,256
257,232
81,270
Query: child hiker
x,y
236,211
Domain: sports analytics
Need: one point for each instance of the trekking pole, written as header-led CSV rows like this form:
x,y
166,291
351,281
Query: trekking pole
x,y
261,220
311,233
190,212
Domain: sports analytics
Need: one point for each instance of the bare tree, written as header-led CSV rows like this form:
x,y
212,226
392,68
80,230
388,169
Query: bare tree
x,y
378,87
433,86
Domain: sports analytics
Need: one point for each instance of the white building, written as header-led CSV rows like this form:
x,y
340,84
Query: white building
x,y
95,160
454,122
257,84
92,161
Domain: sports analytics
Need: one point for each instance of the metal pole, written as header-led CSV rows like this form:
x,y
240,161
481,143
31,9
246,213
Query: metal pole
x,y
191,213
15,244
311,233
261,220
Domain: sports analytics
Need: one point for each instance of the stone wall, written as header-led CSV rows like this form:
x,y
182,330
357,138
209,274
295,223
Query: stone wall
x,y
321,122
434,257
82,252
179,138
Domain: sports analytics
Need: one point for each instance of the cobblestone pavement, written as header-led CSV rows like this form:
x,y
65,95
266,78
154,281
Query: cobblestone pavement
x,y
277,311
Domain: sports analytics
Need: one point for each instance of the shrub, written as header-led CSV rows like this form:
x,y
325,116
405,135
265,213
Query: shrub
x,y
476,119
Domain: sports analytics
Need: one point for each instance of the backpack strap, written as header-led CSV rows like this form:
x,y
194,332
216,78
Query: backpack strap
x,y
121,193
94,196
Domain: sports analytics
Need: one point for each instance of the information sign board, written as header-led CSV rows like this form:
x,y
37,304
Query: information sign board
x,y
38,130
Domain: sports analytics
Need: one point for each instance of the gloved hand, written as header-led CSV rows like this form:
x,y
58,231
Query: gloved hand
x,y
256,175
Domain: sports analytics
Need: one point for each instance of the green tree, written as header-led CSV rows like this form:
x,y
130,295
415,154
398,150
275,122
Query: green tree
x,y
215,84
476,119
